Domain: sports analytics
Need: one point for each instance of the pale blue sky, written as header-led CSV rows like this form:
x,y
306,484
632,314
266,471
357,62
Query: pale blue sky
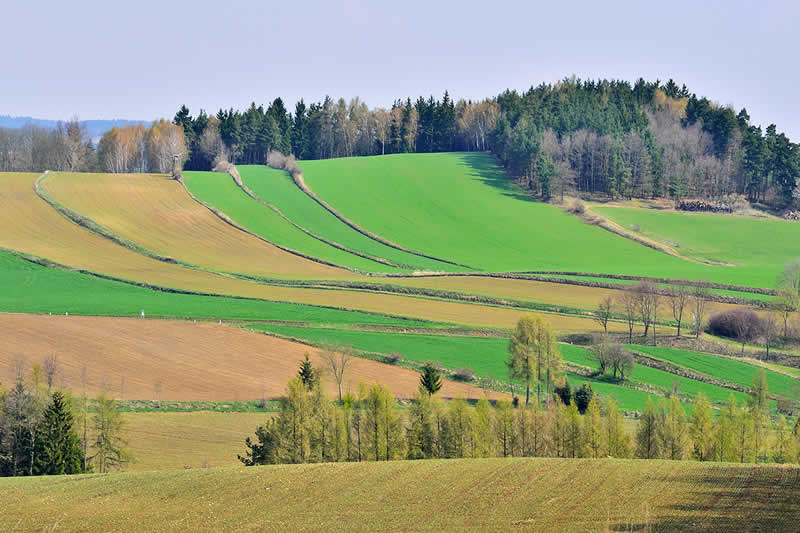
x,y
143,59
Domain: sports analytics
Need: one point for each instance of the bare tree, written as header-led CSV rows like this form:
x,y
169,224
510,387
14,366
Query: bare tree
x,y
699,298
786,303
158,388
337,359
679,297
605,310
655,301
643,293
789,278
18,368
630,309
51,370
770,326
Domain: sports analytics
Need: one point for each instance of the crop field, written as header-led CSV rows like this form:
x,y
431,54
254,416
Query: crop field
x,y
726,369
155,212
278,189
220,191
487,356
188,361
471,214
451,495
749,243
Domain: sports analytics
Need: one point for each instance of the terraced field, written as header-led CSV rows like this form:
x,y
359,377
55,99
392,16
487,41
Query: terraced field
x,y
440,495
748,242
191,361
277,188
461,207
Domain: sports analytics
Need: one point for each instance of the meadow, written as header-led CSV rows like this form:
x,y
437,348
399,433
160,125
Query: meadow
x,y
531,494
759,247
461,207
277,188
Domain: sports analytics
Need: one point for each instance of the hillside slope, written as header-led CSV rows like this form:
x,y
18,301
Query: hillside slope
x,y
435,495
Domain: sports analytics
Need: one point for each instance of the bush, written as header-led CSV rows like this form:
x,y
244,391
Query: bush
x,y
564,393
580,339
582,397
577,208
464,374
786,406
393,358
741,324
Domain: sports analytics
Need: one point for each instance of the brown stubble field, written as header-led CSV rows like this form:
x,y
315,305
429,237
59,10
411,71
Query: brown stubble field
x,y
192,361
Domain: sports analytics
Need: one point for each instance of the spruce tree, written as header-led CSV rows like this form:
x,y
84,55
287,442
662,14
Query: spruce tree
x,y
59,450
307,374
430,380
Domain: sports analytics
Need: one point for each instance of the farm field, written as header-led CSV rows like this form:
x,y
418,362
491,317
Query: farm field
x,y
749,242
487,357
155,212
472,215
190,361
170,441
725,368
458,494
278,189
30,225
220,191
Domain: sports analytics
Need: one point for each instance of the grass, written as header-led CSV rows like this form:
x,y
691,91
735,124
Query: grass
x,y
278,188
155,212
461,207
758,246
443,495
726,369
487,356
220,191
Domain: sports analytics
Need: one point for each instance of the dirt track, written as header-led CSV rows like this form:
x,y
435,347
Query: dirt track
x,y
193,361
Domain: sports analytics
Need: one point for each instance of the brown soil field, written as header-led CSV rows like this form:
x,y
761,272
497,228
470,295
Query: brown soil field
x,y
29,224
155,212
192,361
169,441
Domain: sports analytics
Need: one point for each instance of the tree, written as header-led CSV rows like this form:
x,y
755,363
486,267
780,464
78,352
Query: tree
x,y
265,450
504,428
647,434
51,370
613,356
59,451
482,429
337,358
420,433
573,443
699,298
769,333
19,425
109,445
430,381
522,358
583,396
306,373
629,310
593,433
605,310
786,303
673,430
679,297
701,429
616,438
789,278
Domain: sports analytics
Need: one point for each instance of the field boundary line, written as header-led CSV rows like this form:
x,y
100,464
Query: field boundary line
x,y
234,173
301,184
228,220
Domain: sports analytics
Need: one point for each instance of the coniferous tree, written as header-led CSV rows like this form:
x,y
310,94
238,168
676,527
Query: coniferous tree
x,y
58,450
109,446
307,374
701,429
647,434
430,380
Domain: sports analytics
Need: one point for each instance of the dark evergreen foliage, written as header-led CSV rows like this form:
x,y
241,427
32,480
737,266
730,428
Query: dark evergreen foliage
x,y
430,380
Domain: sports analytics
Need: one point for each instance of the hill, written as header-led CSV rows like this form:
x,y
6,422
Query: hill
x,y
440,495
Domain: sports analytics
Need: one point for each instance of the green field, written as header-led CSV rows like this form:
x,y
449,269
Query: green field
x,y
462,207
529,494
726,369
487,356
277,188
220,191
26,287
758,246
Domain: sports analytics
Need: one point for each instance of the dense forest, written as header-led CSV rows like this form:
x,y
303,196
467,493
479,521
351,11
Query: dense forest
x,y
608,138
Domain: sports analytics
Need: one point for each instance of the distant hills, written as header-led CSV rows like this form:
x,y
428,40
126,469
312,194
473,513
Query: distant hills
x,y
96,127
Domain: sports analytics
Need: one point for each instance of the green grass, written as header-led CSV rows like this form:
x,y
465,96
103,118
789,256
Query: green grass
x,y
726,369
759,246
462,207
278,188
220,191
30,288
487,356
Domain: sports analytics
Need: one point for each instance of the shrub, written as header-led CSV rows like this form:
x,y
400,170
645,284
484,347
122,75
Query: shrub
x,y
564,393
785,406
741,323
577,208
637,228
582,397
580,339
464,374
393,358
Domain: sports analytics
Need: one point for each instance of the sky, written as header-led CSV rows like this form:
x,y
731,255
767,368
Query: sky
x,y
143,59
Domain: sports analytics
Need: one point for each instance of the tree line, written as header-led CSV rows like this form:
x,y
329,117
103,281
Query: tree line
x,y
369,426
45,430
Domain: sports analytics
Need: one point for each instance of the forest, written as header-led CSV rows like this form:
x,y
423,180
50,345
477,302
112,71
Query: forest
x,y
606,138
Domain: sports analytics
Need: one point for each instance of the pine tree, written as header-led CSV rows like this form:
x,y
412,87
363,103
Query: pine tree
x,y
59,450
430,380
307,374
